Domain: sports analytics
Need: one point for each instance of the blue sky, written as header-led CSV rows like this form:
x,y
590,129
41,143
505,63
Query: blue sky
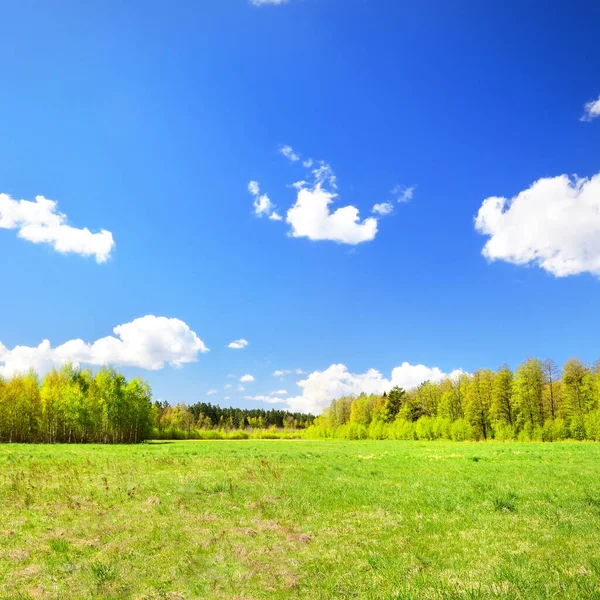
x,y
151,123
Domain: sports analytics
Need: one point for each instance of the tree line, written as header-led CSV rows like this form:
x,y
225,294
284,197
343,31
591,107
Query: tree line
x,y
73,405
188,421
538,401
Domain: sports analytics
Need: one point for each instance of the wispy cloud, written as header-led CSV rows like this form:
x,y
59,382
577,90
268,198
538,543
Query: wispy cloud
x,y
403,193
262,203
267,2
284,372
289,153
385,208
238,344
591,110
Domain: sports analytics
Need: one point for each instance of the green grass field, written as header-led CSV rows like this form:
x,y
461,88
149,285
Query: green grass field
x,y
260,519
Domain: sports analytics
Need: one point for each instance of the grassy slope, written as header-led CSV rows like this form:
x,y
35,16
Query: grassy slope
x,y
300,520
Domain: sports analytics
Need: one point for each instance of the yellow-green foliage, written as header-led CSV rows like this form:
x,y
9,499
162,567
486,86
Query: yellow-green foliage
x,y
532,404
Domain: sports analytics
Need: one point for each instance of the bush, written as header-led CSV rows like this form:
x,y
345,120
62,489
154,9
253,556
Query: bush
x,y
461,431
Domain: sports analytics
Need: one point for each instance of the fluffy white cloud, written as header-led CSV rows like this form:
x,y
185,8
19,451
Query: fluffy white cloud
x,y
148,342
269,399
321,387
385,208
211,392
238,344
554,224
241,388
289,153
279,393
591,110
246,379
267,2
41,223
311,217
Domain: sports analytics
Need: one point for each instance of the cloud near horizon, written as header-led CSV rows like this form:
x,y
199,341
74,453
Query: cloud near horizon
x,y
268,399
554,224
40,222
321,387
148,343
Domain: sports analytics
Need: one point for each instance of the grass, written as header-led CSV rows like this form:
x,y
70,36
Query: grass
x,y
333,519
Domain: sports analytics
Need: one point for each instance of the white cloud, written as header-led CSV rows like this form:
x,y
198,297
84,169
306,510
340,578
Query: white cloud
x,y
269,399
554,224
289,153
148,342
385,208
262,203
41,223
246,379
211,392
311,217
404,194
227,386
227,398
238,344
321,387
283,372
324,175
279,393
241,388
267,2
592,110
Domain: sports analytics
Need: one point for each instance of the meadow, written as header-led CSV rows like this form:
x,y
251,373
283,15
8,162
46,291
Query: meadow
x,y
300,519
